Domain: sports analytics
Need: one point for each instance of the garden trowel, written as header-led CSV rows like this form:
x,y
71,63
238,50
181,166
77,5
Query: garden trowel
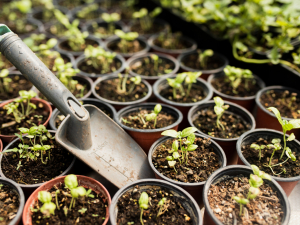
x,y
86,131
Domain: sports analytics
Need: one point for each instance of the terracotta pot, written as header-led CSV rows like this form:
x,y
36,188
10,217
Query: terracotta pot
x,y
228,145
246,102
114,40
91,101
194,189
86,182
205,73
16,188
29,188
151,79
183,197
162,83
210,218
47,108
120,105
287,184
1,146
173,52
265,118
82,58
145,138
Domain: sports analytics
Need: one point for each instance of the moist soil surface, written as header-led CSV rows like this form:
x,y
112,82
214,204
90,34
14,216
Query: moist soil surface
x,y
132,46
108,89
4,63
264,209
287,103
148,67
292,168
201,163
114,66
9,202
18,83
49,61
191,61
65,45
8,126
234,124
34,171
173,42
155,28
196,94
248,87
95,209
172,212
135,120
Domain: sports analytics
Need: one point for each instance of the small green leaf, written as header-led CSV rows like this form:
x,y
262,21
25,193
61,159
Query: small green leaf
x,y
291,137
171,163
44,196
157,109
277,114
143,200
188,131
192,147
290,154
175,145
170,133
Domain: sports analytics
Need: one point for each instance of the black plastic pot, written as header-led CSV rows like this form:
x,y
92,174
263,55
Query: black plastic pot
x,y
162,83
205,73
114,40
287,184
101,23
238,170
120,105
97,14
194,189
145,184
267,119
246,102
64,51
16,188
29,188
82,58
90,101
37,14
145,138
152,79
228,145
173,52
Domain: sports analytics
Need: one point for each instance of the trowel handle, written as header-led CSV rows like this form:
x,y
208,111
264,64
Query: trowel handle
x,y
17,52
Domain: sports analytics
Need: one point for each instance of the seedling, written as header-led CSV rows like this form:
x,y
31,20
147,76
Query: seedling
x,y
4,81
87,10
176,84
153,115
110,19
155,59
204,56
259,148
122,84
186,145
237,75
125,38
146,19
143,203
48,206
191,78
219,110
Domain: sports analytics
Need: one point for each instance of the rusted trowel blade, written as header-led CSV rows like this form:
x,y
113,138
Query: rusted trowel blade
x,y
114,154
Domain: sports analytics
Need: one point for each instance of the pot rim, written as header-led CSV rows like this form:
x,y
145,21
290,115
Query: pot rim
x,y
100,79
214,175
146,105
38,184
183,184
260,130
1,145
212,71
211,102
165,24
162,79
133,59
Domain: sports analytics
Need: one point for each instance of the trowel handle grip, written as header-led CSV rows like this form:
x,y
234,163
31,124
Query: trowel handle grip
x,y
17,52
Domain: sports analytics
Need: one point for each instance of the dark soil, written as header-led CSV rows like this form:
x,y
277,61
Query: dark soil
x,y
8,127
65,45
34,171
173,212
248,87
155,28
114,66
4,63
146,67
95,209
201,163
135,121
132,46
172,42
196,94
49,61
9,202
18,83
264,209
234,124
191,61
252,156
283,101
108,89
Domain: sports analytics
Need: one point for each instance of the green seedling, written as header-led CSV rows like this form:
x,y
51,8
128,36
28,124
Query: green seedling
x,y
190,79
161,204
176,84
4,81
110,19
204,56
48,206
122,84
146,19
82,210
125,38
153,115
219,110
87,10
259,148
143,204
155,59
56,199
